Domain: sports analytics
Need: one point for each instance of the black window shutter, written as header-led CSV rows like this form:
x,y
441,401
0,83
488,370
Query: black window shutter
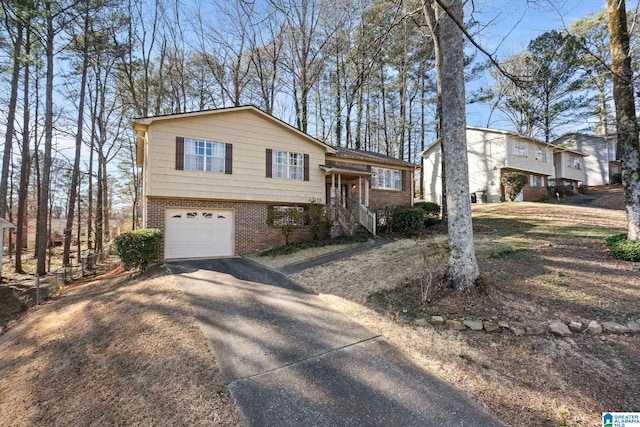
x,y
228,158
179,153
269,163
306,167
403,176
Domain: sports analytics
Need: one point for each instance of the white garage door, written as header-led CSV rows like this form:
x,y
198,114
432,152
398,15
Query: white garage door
x,y
198,233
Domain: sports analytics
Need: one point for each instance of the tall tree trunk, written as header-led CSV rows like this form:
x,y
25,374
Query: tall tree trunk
x,y
433,25
90,228
25,167
462,266
106,202
626,120
41,246
75,177
11,116
99,204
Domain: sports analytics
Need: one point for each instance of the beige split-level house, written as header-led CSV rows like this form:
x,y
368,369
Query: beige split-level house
x,y
493,153
211,177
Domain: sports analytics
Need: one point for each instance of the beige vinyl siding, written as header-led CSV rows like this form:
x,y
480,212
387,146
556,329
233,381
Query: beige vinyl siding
x,y
563,171
529,163
486,153
250,136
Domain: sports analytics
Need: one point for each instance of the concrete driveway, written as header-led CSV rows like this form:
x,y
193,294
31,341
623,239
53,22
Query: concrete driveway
x,y
290,360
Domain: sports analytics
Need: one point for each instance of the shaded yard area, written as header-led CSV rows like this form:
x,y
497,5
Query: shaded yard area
x,y
540,263
113,351
125,350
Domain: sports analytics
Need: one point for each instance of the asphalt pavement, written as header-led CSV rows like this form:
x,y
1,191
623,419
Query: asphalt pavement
x,y
291,360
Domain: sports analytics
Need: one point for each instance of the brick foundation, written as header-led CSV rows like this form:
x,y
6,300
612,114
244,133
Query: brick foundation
x,y
251,230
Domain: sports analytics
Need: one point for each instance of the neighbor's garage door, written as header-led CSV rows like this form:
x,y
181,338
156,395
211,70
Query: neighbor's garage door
x,y
197,233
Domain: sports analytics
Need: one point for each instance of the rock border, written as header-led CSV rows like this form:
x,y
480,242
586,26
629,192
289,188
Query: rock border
x,y
555,328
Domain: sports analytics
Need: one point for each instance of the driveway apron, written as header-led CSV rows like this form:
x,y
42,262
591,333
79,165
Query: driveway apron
x,y
290,360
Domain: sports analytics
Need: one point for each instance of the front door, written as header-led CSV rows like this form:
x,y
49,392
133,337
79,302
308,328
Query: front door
x,y
344,192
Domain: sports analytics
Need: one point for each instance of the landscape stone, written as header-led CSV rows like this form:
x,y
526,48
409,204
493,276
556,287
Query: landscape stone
x,y
595,327
437,320
503,324
575,326
560,329
474,325
455,325
517,330
404,319
633,326
614,327
490,326
420,322
535,329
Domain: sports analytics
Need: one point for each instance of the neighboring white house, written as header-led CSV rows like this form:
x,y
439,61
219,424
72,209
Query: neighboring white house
x,y
493,153
602,160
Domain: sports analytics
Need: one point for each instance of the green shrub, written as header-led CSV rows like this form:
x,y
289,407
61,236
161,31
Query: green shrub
x,y
287,220
138,248
513,183
409,221
432,212
628,250
612,240
319,223
616,178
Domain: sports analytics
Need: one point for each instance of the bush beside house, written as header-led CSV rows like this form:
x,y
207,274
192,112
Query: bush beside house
x,y
138,248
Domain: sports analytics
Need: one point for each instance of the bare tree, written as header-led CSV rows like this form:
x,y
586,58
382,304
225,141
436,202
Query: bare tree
x,y
462,266
623,96
12,18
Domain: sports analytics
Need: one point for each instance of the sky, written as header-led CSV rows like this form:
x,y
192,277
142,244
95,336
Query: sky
x,y
511,25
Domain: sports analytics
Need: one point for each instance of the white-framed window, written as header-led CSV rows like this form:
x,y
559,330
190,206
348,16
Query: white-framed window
x,y
288,165
520,148
541,154
283,219
386,179
575,162
537,181
200,155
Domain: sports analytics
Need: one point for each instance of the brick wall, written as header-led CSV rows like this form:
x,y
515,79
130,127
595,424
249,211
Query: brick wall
x,y
531,194
251,229
385,199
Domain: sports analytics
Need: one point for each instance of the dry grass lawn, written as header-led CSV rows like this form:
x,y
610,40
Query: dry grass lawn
x,y
541,263
127,351
113,351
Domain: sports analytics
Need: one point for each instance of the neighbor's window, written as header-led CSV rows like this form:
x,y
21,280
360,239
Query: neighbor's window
x,y
574,162
541,154
520,148
208,156
537,181
288,165
387,179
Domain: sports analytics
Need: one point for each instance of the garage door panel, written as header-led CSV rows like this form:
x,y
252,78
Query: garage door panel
x,y
196,233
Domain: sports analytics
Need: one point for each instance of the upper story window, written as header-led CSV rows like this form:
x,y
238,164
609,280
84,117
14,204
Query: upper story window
x,y
204,155
387,179
575,162
201,155
287,165
541,154
520,148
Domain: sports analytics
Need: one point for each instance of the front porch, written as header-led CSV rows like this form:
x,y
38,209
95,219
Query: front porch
x,y
348,193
